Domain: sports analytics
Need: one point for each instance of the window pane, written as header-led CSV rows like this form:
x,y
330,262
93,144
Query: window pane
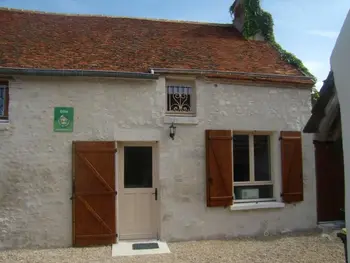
x,y
138,167
253,192
2,101
262,158
241,158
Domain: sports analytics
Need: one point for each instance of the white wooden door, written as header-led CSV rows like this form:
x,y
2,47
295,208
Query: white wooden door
x,y
137,198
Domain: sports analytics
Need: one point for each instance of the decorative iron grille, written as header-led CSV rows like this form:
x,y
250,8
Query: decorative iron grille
x,y
179,99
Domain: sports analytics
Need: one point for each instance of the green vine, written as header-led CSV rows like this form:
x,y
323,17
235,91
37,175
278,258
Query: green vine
x,y
256,20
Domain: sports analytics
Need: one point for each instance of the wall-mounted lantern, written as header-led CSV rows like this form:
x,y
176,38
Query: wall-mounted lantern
x,y
172,131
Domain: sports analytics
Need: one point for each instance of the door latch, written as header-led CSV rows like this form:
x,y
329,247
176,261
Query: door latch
x,y
155,194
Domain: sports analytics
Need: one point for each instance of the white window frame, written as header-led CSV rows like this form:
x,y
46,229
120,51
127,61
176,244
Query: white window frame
x,y
251,181
190,84
5,102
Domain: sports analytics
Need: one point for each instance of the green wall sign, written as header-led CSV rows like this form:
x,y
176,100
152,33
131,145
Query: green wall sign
x,y
63,119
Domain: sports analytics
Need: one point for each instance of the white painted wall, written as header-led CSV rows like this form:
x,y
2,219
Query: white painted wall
x,y
35,174
340,63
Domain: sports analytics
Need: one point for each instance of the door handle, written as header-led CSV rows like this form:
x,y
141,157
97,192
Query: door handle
x,y
155,194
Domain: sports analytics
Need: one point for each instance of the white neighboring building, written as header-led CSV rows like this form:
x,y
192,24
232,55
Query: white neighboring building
x,y
340,64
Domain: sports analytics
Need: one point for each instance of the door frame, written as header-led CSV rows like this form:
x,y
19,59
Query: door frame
x,y
155,167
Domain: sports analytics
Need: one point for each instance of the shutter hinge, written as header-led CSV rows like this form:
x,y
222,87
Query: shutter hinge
x,y
115,150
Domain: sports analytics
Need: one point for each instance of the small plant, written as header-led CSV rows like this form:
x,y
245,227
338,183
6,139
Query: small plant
x,y
314,95
259,21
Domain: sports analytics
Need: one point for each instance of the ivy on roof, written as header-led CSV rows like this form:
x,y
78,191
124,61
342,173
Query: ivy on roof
x,y
256,20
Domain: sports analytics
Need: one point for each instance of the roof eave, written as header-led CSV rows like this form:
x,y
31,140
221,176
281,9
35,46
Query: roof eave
x,y
76,73
305,80
318,110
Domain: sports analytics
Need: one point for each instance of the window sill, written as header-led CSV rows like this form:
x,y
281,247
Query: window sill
x,y
253,206
4,125
189,120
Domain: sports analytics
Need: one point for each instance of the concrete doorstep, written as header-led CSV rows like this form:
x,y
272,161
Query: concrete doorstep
x,y
126,248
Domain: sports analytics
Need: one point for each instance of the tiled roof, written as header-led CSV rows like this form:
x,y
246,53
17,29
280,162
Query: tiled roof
x,y
53,41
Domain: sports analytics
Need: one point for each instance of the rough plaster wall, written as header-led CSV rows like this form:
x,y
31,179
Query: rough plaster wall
x,y
184,211
35,175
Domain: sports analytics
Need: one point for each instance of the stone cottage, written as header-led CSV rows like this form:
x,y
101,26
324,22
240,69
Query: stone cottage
x,y
122,128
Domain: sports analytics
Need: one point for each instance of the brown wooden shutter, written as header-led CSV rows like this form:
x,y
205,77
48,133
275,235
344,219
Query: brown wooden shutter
x,y
94,205
292,167
219,168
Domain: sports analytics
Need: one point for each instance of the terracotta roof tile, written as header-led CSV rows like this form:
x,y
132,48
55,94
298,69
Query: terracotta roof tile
x,y
39,40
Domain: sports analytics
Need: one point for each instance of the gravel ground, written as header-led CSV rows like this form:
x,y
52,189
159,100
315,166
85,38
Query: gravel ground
x,y
307,248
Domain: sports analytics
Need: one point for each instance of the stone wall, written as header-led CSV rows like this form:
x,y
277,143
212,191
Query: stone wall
x,y
35,174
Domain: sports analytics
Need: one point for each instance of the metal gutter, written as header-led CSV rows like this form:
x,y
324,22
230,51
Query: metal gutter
x,y
232,73
76,73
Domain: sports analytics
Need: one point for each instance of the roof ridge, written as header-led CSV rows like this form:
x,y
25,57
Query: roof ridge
x,y
111,16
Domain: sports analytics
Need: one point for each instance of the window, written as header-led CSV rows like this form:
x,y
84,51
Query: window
x,y
251,167
180,98
238,167
140,175
4,101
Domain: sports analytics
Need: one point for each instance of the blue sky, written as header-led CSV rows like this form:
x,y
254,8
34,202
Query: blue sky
x,y
307,28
